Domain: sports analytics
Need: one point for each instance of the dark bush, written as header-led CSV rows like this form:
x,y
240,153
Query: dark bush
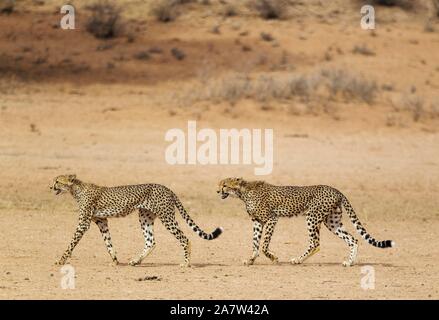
x,y
404,4
165,10
7,6
105,20
270,9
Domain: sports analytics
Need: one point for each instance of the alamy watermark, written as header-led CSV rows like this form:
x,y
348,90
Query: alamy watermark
x,y
68,278
367,21
228,146
368,280
68,20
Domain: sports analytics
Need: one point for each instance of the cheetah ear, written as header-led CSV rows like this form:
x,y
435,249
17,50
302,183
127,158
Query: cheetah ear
x,y
240,181
71,177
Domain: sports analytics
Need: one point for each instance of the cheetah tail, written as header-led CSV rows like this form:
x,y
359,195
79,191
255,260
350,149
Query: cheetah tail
x,y
207,236
361,230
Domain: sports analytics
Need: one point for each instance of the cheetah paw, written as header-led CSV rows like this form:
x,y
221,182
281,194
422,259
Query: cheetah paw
x,y
248,262
113,263
134,263
296,261
60,262
275,260
347,264
185,265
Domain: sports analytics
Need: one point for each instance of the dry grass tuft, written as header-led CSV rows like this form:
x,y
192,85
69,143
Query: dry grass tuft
x,y
349,86
230,10
412,103
363,49
270,9
165,10
315,86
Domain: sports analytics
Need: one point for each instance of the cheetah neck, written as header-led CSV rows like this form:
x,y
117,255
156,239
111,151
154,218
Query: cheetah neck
x,y
246,187
77,189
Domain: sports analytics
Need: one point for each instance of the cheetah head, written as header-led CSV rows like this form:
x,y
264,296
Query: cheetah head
x,y
230,186
63,183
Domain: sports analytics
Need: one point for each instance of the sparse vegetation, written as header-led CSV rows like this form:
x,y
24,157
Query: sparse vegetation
x,y
142,55
434,108
270,9
216,29
416,105
323,85
7,6
9,84
165,10
155,50
435,4
404,4
230,10
363,49
105,20
266,36
428,27
350,86
178,54
412,103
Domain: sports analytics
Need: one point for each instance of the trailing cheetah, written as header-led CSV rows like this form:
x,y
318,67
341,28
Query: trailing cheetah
x,y
265,203
98,203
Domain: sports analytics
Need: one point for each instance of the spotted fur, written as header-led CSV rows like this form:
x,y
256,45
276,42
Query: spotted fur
x,y
98,203
265,203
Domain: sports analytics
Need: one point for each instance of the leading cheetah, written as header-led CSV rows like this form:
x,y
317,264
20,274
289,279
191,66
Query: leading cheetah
x,y
265,203
98,203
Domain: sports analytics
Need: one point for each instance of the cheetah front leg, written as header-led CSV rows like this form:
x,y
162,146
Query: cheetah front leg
x,y
83,226
103,228
146,219
269,229
257,234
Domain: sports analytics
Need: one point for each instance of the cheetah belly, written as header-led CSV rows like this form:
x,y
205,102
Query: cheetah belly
x,y
287,210
113,212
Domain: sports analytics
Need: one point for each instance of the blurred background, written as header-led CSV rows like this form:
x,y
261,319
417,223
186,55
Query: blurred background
x,y
352,108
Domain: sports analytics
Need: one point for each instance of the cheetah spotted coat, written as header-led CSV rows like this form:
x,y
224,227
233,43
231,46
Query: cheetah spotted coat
x,y
98,203
266,203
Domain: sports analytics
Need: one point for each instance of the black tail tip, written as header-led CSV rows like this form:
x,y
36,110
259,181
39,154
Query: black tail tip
x,y
216,233
387,244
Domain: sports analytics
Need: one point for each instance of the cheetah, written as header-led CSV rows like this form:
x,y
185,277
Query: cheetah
x,y
266,203
98,203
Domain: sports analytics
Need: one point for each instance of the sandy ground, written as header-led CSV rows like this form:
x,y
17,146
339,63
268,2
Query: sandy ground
x,y
107,125
391,179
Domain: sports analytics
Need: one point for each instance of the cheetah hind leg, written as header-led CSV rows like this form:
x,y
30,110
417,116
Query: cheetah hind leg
x,y
146,220
172,226
334,224
314,242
